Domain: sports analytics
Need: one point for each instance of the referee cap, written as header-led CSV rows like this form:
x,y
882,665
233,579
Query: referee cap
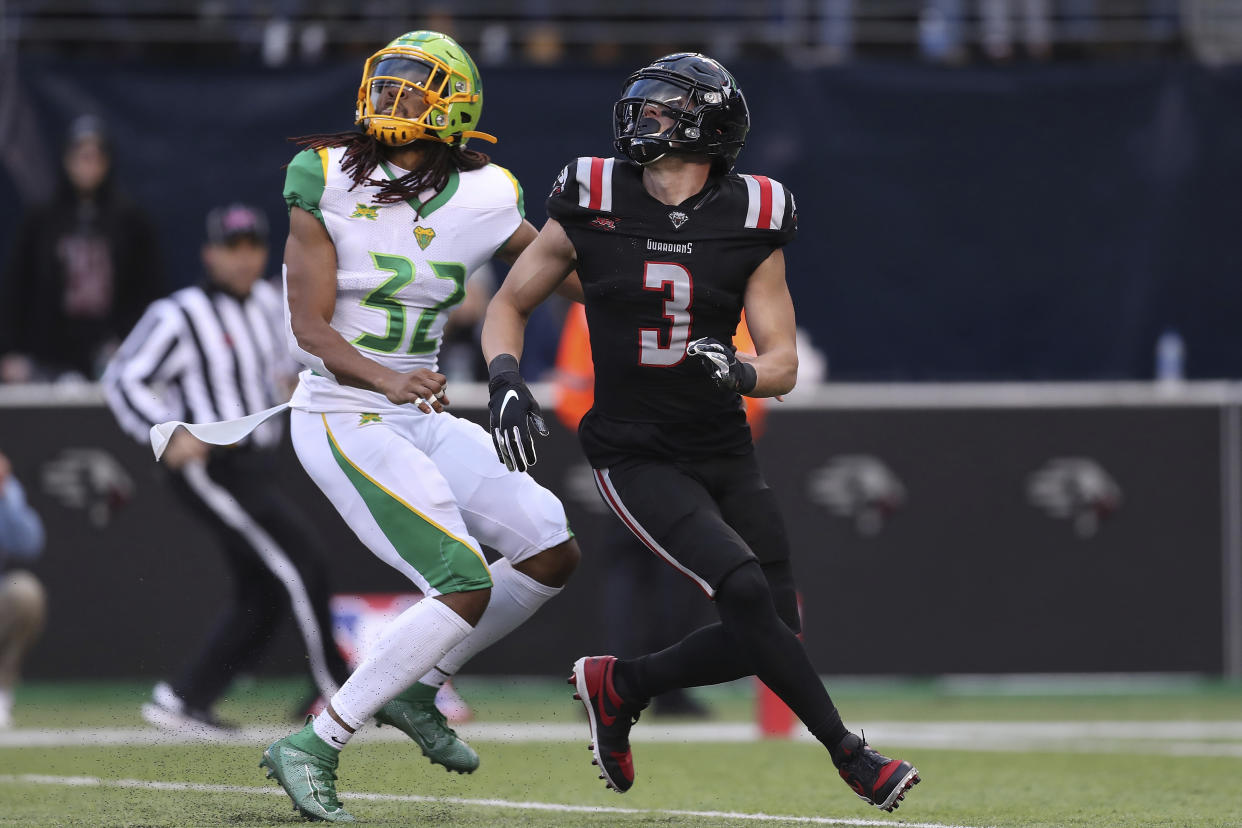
x,y
228,224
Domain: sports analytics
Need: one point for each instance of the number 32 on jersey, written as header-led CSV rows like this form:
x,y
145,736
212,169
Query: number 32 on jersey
x,y
383,298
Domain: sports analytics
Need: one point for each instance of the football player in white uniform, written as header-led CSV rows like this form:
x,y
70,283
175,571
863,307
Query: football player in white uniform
x,y
385,225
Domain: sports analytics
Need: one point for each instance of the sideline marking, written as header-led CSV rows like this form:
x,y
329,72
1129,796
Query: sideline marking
x,y
1157,738
96,782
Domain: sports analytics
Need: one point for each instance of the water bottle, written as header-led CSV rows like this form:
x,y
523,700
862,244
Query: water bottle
x,y
1170,357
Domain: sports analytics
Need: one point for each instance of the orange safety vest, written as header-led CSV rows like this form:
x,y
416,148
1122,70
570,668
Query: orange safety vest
x,y
575,373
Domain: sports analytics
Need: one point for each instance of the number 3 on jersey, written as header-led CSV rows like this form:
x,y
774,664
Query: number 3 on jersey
x,y
383,298
676,310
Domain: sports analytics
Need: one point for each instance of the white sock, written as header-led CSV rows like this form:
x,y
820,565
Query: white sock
x,y
412,644
515,597
332,732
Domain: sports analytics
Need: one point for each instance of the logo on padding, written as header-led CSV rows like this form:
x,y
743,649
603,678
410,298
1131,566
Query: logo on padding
x,y
860,487
1076,489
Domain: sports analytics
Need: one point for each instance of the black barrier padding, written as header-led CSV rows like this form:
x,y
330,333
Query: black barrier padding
x,y
967,575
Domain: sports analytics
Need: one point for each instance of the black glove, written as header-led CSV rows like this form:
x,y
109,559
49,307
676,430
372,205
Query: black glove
x,y
515,416
727,371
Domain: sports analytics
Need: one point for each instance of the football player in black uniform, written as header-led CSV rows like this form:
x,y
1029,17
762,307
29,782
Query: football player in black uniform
x,y
670,245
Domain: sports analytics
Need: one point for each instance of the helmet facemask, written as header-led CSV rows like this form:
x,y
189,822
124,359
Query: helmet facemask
x,y
663,111
408,94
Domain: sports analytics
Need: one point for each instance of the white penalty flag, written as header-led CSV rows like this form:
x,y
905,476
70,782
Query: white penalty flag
x,y
224,433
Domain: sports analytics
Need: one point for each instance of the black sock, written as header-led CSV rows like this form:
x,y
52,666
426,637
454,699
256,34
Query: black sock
x,y
625,677
749,616
750,640
841,748
704,657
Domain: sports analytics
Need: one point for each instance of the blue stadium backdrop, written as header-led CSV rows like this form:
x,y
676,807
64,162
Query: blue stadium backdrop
x,y
1025,222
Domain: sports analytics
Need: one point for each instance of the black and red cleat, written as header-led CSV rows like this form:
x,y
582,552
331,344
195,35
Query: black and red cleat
x,y
610,717
878,780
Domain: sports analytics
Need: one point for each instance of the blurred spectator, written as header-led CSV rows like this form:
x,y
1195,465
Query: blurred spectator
x,y
82,269
835,31
1080,26
942,31
22,602
996,19
213,352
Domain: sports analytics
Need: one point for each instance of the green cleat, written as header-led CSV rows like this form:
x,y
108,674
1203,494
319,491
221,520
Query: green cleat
x,y
307,772
414,712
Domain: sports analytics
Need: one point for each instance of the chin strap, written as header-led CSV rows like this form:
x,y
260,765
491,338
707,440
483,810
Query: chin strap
x,y
482,136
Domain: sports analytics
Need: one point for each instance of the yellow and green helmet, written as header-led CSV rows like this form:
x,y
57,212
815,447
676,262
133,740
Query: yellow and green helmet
x,y
422,86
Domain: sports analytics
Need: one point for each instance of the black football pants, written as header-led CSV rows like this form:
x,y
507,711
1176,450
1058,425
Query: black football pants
x,y
716,521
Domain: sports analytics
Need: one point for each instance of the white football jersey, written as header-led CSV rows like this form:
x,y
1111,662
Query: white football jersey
x,y
400,267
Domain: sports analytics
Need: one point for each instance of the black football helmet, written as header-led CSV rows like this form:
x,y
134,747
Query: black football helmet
x,y
684,102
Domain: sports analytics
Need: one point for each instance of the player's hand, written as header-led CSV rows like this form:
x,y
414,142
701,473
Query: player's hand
x,y
726,370
514,414
423,388
183,449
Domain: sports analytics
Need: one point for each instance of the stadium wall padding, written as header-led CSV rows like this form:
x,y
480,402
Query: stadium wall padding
x,y
983,222
984,540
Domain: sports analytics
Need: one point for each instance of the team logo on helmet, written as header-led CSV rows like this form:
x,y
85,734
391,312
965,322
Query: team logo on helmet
x,y
424,235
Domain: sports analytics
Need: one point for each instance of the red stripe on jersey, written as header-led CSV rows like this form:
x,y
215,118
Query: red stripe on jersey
x,y
764,221
597,183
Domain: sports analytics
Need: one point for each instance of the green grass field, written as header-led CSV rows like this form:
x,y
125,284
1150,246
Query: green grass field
x,y
991,753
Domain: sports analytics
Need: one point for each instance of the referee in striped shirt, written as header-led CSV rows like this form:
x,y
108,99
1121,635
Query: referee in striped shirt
x,y
210,352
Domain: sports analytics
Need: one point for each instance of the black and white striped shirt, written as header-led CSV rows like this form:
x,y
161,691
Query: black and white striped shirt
x,y
202,355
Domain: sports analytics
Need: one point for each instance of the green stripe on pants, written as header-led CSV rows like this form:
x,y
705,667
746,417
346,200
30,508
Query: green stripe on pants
x,y
448,564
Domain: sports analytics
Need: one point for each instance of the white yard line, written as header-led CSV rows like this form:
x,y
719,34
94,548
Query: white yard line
x,y
92,781
1162,738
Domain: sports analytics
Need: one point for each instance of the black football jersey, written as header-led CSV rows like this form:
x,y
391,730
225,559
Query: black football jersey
x,y
656,277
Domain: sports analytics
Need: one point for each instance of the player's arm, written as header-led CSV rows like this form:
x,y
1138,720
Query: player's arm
x,y
543,266
514,414
770,317
310,278
570,288
773,369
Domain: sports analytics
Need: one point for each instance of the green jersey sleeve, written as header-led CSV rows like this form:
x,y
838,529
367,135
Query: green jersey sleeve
x,y
304,181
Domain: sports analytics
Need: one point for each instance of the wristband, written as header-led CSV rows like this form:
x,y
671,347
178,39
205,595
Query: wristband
x,y
502,364
747,377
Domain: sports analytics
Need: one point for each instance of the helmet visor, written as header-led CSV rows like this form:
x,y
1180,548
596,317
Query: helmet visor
x,y
662,92
652,109
399,86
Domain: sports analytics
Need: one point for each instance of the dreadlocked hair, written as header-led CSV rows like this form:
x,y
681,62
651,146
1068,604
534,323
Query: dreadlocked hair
x,y
363,154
